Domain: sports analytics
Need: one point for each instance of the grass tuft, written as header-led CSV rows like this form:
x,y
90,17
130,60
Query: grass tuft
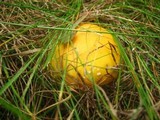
x,y
29,34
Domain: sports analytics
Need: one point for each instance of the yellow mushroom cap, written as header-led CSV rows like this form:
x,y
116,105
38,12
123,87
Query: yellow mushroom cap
x,y
92,56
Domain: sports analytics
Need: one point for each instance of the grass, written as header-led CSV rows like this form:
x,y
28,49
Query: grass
x,y
29,34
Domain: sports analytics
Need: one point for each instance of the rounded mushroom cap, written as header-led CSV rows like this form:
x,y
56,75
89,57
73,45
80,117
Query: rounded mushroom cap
x,y
92,56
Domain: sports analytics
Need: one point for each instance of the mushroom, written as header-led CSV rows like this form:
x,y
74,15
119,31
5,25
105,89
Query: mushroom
x,y
91,57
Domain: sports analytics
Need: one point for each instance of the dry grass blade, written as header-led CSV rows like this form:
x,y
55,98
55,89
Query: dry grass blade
x,y
24,53
114,112
57,103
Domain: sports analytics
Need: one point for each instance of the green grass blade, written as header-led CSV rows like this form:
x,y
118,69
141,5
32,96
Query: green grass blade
x,y
12,80
15,110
